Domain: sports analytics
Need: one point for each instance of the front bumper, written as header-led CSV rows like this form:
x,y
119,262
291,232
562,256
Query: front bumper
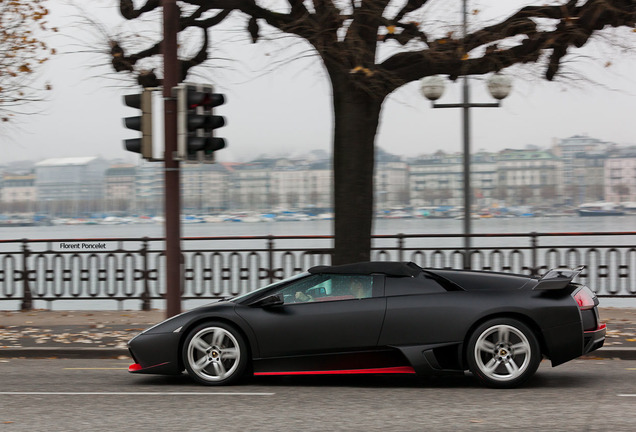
x,y
155,353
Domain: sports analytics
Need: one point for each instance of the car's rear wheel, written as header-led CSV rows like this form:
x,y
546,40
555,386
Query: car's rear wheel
x,y
503,353
215,353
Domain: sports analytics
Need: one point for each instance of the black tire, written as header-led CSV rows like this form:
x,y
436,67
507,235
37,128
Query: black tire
x,y
214,353
503,353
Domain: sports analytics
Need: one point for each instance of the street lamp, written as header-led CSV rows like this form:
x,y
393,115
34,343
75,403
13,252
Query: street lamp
x,y
499,86
433,88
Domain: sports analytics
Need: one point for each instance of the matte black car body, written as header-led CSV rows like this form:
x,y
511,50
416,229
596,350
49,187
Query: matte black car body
x,y
411,320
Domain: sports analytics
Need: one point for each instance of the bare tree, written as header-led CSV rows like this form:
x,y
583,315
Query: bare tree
x,y
347,36
23,26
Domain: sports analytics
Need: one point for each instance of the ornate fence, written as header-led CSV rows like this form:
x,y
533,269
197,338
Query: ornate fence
x,y
215,267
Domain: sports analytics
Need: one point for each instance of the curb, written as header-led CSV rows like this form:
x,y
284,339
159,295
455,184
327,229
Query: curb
x,y
109,353
612,353
55,352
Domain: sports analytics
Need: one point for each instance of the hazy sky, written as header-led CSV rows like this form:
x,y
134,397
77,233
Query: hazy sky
x,y
286,109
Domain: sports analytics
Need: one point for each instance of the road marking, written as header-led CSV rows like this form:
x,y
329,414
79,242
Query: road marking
x,y
626,395
630,369
40,393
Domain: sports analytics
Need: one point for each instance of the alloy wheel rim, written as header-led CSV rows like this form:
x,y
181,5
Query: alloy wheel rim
x,y
213,354
502,353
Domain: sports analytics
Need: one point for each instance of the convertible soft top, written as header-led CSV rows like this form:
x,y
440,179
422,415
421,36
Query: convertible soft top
x,y
390,268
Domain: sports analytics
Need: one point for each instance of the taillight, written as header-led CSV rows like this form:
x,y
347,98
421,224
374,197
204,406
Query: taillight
x,y
584,298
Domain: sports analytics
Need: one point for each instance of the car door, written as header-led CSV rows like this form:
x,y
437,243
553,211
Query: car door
x,y
320,314
421,311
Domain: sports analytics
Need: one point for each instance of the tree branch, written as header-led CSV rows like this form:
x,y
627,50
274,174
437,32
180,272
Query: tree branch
x,y
192,21
128,11
449,56
199,58
410,6
361,39
122,63
576,21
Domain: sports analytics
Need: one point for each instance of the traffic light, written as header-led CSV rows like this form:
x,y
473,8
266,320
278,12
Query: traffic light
x,y
142,123
196,122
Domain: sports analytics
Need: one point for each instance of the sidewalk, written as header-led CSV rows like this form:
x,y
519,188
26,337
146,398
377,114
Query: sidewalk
x,y
104,334
71,334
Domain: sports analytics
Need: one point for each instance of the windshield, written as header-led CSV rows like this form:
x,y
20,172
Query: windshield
x,y
265,288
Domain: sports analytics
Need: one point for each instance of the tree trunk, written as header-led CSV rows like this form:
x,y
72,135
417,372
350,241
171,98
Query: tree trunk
x,y
356,117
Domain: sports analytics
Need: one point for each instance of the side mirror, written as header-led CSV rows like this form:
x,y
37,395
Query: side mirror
x,y
269,301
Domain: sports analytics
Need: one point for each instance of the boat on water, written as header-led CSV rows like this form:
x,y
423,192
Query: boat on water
x,y
114,220
600,209
16,222
629,207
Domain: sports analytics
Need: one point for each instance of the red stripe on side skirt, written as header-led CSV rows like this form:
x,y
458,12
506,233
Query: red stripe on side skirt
x,y
387,370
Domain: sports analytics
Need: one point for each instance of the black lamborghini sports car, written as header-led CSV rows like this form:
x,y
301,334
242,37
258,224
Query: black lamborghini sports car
x,y
380,317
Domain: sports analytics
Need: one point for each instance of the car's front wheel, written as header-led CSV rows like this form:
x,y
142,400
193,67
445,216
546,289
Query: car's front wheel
x,y
215,353
503,353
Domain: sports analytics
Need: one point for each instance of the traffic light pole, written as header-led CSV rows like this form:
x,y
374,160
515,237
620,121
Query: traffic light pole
x,y
172,188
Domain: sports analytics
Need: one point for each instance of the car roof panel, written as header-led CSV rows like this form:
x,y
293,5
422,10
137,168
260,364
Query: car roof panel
x,y
390,268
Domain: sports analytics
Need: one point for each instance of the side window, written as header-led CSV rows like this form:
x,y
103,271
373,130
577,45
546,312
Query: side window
x,y
398,286
326,287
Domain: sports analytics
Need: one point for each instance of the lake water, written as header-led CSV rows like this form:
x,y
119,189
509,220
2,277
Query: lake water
x,y
321,227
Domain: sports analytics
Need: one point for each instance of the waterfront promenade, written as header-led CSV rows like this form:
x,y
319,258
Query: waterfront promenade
x,y
104,334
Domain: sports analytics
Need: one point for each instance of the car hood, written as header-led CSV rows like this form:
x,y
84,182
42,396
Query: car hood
x,y
476,280
176,322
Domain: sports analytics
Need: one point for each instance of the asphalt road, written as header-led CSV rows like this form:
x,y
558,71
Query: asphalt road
x,y
100,395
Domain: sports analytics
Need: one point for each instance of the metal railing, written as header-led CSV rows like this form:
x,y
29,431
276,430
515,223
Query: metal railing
x,y
214,267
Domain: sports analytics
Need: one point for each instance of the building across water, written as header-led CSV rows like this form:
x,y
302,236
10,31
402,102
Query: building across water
x,y
576,170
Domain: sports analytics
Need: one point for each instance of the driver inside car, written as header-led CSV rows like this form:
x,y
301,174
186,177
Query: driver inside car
x,y
302,297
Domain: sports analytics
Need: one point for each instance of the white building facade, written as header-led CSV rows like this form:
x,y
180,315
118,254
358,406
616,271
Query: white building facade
x,y
18,193
438,180
204,188
62,181
391,184
528,177
620,176
567,150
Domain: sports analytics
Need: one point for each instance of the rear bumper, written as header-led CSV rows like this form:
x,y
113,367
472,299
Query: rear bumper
x,y
594,339
570,341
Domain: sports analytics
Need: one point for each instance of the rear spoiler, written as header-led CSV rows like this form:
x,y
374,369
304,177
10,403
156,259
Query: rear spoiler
x,y
558,278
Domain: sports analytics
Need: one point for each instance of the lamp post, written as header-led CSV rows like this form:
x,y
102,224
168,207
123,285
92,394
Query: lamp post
x,y
433,87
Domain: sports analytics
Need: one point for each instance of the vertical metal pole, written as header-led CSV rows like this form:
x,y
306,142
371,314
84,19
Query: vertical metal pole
x,y
172,188
467,200
270,257
145,296
400,246
27,297
466,131
534,241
